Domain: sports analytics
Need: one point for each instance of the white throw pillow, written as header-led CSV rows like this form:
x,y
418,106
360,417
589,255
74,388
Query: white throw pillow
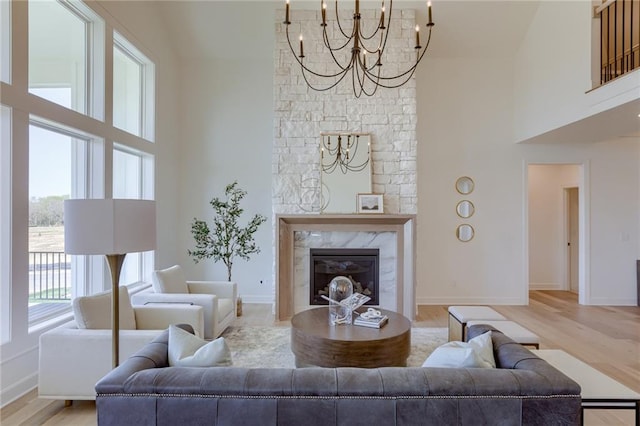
x,y
187,350
94,312
476,353
170,280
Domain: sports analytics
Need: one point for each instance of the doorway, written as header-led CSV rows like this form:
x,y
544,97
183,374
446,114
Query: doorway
x,y
554,234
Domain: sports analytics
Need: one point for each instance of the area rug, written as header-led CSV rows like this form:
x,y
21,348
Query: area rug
x,y
271,346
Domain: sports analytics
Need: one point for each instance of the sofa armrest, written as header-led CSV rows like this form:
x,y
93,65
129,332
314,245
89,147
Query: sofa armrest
x,y
160,316
222,289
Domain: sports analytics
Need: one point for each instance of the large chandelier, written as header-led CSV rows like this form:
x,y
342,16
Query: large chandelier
x,y
365,77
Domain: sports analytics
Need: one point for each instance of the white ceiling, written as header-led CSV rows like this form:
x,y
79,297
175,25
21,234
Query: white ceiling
x,y
232,29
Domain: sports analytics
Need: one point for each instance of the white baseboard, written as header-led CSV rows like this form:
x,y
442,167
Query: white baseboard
x,y
603,301
546,286
18,389
247,298
469,301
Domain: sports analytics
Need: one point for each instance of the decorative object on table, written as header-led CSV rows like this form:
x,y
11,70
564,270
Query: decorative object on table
x,y
228,239
370,203
340,290
356,42
371,318
113,228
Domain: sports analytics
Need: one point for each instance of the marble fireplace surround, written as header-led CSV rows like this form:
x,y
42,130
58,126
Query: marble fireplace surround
x,y
402,224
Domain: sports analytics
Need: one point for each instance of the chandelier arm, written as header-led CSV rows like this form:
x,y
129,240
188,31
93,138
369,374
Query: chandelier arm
x,y
337,62
342,71
410,70
340,25
327,44
363,82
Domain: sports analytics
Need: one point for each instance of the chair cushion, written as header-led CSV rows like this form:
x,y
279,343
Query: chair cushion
x,y
476,353
170,280
94,312
187,350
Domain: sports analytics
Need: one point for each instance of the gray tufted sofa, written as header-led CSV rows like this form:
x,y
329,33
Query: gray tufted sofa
x,y
524,389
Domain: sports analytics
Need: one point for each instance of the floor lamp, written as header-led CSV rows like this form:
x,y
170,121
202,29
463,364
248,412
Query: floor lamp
x,y
112,228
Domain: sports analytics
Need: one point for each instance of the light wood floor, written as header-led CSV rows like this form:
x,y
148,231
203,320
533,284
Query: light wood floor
x,y
607,338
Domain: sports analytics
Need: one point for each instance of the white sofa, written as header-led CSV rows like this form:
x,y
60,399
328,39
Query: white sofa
x,y
217,298
73,358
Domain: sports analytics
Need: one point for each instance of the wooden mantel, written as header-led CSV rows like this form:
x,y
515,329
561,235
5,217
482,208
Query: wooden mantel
x,y
402,224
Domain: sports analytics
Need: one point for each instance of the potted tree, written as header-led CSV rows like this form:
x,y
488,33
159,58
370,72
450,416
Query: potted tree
x,y
226,239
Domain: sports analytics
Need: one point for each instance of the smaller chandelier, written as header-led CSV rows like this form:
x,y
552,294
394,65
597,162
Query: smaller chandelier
x,y
339,154
365,77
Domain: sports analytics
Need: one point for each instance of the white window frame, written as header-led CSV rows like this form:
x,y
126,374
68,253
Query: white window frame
x,y
147,79
87,272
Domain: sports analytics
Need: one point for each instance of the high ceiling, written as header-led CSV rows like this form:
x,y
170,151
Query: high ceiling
x,y
233,29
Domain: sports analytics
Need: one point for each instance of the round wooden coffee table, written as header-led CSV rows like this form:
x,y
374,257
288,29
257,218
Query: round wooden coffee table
x,y
316,343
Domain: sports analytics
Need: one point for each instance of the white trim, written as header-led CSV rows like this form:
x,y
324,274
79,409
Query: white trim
x,y
619,301
261,299
546,286
462,300
17,389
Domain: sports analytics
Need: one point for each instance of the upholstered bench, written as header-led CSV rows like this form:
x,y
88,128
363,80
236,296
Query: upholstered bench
x,y
512,329
459,316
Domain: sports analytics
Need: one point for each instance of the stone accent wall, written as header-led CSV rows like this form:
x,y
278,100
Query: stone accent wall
x,y
301,114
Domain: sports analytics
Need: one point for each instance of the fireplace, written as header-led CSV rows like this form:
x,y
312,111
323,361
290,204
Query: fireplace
x,y
361,265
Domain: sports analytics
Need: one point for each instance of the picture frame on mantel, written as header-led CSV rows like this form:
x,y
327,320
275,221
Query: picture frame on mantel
x,y
370,203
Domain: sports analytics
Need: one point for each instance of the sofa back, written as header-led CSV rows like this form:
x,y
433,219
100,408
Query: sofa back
x,y
523,390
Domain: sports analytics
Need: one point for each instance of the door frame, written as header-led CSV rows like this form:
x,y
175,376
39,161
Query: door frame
x,y
584,262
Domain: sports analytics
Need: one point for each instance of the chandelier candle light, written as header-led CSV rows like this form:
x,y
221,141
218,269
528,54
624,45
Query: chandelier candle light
x,y
365,78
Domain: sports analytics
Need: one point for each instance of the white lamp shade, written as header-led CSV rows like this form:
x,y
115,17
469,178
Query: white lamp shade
x,y
109,226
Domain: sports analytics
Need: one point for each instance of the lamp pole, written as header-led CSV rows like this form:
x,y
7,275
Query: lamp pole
x,y
115,262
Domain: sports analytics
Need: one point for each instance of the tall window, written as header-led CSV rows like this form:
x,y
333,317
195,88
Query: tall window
x,y
132,172
133,89
59,70
58,170
58,53
127,91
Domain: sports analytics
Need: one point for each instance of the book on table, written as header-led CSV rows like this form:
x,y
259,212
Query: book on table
x,y
371,322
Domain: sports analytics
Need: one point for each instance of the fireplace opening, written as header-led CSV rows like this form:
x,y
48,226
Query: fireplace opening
x,y
359,265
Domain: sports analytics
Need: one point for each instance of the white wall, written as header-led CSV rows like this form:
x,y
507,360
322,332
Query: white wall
x,y
465,110
227,133
553,68
547,223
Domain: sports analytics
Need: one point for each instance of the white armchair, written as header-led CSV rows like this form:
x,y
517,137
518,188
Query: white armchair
x,y
75,355
217,298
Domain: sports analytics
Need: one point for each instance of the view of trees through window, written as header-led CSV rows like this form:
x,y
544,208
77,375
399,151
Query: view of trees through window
x,y
50,171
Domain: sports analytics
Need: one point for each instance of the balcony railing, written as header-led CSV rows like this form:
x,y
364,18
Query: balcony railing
x,y
619,38
49,276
